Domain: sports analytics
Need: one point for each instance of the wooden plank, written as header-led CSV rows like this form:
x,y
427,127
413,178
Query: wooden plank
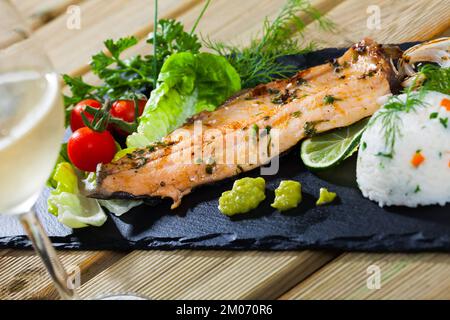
x,y
70,49
400,21
403,276
206,274
24,277
38,13
224,23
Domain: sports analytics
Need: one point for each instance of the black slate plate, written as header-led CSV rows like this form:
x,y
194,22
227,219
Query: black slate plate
x,y
352,223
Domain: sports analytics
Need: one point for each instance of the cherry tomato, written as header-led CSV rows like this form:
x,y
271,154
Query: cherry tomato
x,y
124,109
76,121
87,148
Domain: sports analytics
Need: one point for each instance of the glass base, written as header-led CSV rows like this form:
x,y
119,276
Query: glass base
x,y
122,296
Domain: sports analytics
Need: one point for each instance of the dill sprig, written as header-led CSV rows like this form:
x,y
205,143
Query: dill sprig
x,y
259,62
390,118
433,78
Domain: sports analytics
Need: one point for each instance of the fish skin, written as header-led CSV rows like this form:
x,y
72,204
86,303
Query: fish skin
x,y
356,81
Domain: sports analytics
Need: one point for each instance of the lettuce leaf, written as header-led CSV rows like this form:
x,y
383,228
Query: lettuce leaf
x,y
77,211
188,84
120,207
65,201
62,157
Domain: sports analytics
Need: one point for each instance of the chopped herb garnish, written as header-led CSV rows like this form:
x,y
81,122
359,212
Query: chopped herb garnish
x,y
255,129
301,81
444,122
278,99
273,91
141,162
417,190
296,114
364,146
310,128
385,155
281,98
209,169
433,115
329,99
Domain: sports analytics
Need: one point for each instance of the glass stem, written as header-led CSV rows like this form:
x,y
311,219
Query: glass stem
x,y
47,253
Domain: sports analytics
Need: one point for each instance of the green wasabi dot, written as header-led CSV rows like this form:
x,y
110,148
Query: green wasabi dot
x,y
246,195
325,197
288,195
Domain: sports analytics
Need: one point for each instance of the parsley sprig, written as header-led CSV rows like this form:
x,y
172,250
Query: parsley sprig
x,y
121,77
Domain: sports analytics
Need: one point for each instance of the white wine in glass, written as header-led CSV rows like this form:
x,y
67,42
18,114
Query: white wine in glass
x,y
31,130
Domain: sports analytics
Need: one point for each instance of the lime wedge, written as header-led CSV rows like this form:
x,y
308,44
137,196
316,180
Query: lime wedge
x,y
329,149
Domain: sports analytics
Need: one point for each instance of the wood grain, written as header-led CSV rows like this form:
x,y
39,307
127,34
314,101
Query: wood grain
x,y
38,13
206,274
237,21
401,21
403,276
22,274
70,49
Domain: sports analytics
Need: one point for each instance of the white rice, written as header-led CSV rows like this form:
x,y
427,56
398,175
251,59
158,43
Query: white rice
x,y
396,181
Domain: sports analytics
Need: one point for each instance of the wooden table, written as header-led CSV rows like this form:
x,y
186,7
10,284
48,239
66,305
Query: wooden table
x,y
226,274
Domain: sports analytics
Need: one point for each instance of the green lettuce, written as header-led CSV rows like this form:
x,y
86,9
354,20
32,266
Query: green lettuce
x,y
188,84
119,207
65,201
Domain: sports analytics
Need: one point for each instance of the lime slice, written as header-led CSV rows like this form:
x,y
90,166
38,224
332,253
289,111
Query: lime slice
x,y
329,149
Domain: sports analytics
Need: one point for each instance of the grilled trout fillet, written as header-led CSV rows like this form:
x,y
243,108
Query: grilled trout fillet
x,y
275,116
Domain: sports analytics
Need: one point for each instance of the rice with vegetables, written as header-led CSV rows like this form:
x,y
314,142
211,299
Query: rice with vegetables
x,y
404,157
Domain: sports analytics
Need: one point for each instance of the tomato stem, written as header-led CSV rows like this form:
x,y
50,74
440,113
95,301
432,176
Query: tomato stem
x,y
103,117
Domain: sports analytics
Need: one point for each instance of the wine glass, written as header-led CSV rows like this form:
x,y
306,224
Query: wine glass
x,y
31,130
